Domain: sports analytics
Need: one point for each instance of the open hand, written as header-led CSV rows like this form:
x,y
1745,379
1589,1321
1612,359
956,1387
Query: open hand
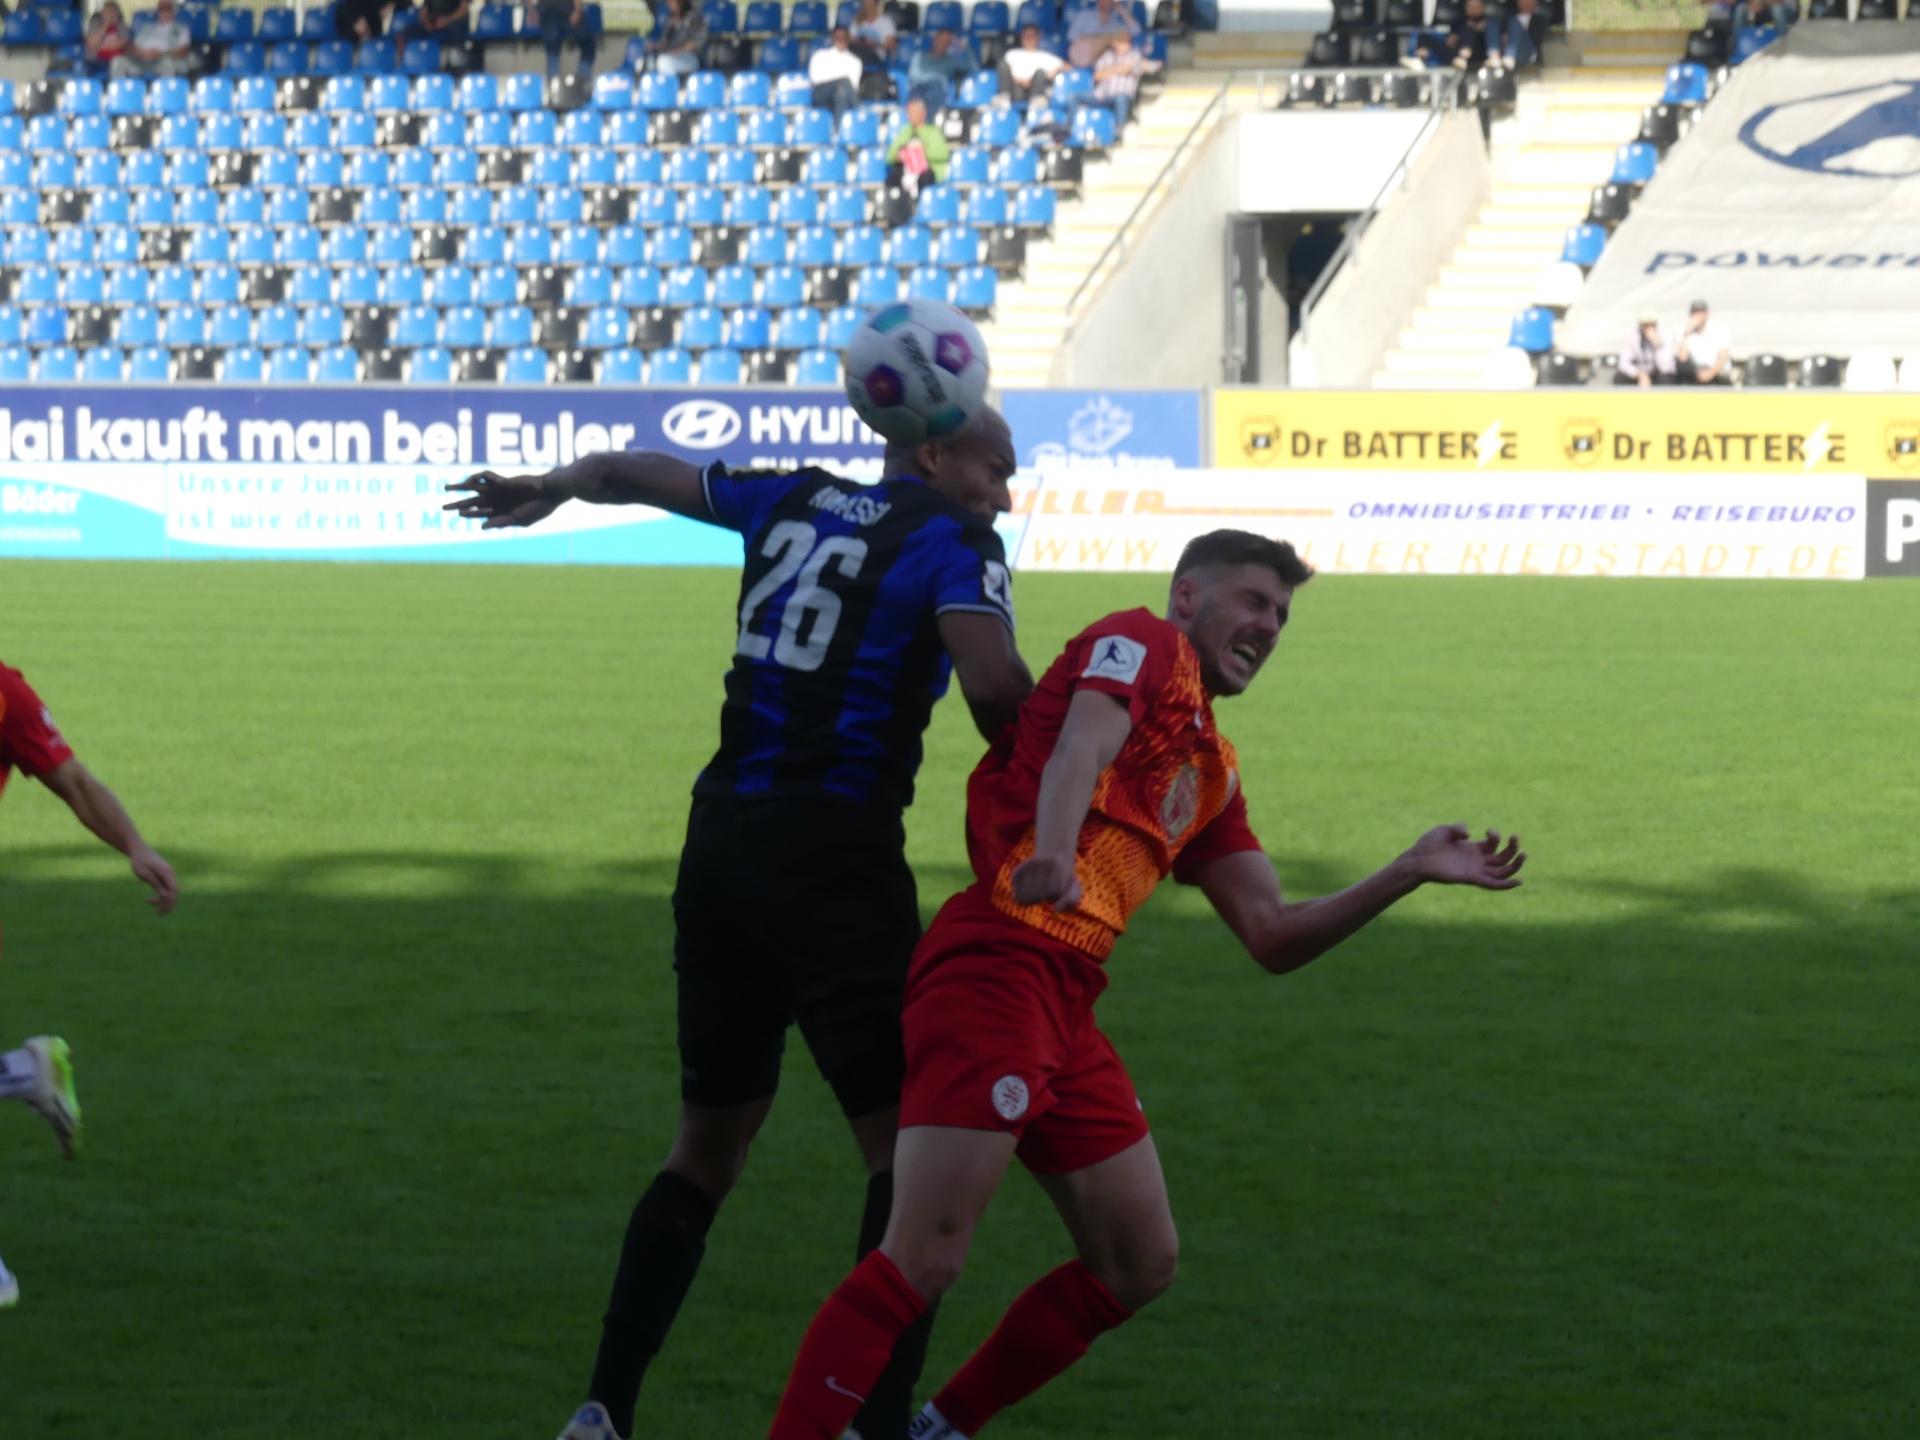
x,y
1047,880
1450,855
151,870
503,501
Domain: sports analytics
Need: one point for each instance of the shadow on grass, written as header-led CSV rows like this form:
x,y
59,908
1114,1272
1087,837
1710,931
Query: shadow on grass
x,y
365,1129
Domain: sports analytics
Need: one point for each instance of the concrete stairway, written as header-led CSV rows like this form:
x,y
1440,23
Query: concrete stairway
x,y
1547,157
1030,318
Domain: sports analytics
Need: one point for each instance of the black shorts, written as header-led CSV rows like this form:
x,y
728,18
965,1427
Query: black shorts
x,y
792,910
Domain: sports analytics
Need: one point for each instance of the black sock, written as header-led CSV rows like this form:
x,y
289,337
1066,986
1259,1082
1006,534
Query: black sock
x,y
665,1239
889,1406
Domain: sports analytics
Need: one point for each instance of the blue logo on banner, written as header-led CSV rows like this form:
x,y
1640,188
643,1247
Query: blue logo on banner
x,y
1847,147
1104,430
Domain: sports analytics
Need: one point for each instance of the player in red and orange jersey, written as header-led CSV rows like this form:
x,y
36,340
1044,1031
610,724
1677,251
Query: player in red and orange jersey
x,y
40,1071
1113,778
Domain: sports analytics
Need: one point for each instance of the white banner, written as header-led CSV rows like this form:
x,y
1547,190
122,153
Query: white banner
x,y
1544,523
1792,207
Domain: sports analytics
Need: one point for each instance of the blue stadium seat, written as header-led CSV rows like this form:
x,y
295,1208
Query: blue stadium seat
x,y
126,96
222,131
83,285
929,282
485,245
210,245
704,90
312,284
767,245
276,325
606,328
870,165
289,365
814,245
317,23
551,166
562,205
416,326
1751,41
331,57
749,327
369,168
596,165
57,362
989,17
117,245
969,165
522,93
763,18
876,285
589,285
321,168
1634,164
516,205
1033,207
219,284
355,130
622,365
733,167
344,92
943,15
477,93
277,24
670,366
495,285
581,128
653,91
490,130
640,287
172,285
535,128
910,245
987,207
783,286
1532,330
792,91
671,245
289,57
750,90
702,326
445,130
231,326
975,289
421,57
22,207
322,325
494,22
722,366
265,132
109,207
808,17
509,326
470,205
613,91
28,245
811,128
532,245
733,286
799,328
16,363
137,325
23,28
997,127
642,167
150,365
80,95
337,365
381,205
243,365
1584,244
129,285
413,166
102,364
46,325
1092,129
958,247
862,245
525,366
860,127
358,286
722,17
1017,166
403,285
686,286
1686,85
624,245
185,327
425,206
463,327
289,207
689,167
779,55
716,129
704,205
939,205
844,205
253,93
377,57
766,130
976,90
388,93
655,205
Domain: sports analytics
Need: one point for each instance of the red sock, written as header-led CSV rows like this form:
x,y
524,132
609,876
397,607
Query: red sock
x,y
1044,1331
845,1350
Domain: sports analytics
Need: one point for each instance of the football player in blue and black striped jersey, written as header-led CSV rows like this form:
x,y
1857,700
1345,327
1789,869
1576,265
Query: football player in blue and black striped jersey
x,y
794,902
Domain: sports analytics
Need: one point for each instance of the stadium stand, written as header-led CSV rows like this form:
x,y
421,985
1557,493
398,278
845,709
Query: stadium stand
x,y
302,202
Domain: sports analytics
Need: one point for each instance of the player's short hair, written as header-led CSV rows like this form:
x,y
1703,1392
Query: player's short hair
x,y
1219,548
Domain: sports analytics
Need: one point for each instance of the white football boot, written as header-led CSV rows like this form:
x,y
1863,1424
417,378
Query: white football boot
x,y
53,1096
590,1422
930,1424
9,1287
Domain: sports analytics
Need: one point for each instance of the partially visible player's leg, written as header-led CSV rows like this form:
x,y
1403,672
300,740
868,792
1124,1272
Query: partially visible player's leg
x,y
944,1178
1122,1225
40,1072
9,1287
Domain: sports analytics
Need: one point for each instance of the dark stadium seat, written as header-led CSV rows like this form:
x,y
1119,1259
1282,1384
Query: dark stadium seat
x,y
1768,371
1558,369
1327,51
1403,90
1304,89
1822,371
1827,10
1609,205
1879,10
1705,47
1660,125
1347,89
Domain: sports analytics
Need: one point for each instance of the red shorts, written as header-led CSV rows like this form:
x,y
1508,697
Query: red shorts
x,y
1000,1036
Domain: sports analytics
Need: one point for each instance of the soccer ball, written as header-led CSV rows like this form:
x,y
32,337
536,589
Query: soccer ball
x,y
917,371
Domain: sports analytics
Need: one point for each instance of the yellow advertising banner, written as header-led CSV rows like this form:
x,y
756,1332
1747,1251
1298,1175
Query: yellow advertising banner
x,y
1678,431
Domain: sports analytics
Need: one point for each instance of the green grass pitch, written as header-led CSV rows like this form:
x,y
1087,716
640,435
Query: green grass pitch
x,y
1628,1153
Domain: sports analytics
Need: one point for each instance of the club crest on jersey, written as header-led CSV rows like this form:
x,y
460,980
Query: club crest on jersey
x,y
1115,657
1010,1097
1182,804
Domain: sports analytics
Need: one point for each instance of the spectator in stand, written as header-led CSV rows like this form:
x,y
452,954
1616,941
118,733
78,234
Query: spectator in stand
x,y
444,19
835,73
918,151
1704,355
678,39
106,39
1464,47
1091,33
159,47
934,70
561,21
1780,14
875,37
361,19
1521,34
1026,71
1117,76
1646,356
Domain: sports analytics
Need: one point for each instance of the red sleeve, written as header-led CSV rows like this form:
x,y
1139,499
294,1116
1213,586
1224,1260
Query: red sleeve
x,y
27,735
1129,656
1226,834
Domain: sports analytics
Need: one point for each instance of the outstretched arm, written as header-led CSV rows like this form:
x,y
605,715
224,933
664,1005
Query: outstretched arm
x,y
1282,937
987,663
1097,725
617,477
100,810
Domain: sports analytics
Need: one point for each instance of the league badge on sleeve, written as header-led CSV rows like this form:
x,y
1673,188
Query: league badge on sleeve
x,y
1117,658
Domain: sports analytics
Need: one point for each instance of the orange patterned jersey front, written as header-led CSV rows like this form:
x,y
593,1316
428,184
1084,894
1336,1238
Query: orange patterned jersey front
x,y
1169,801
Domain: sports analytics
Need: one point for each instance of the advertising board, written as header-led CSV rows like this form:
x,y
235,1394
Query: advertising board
x,y
1108,431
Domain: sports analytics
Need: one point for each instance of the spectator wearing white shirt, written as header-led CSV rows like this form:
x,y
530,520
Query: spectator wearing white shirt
x,y
159,47
1646,355
835,73
1090,34
1704,355
1026,72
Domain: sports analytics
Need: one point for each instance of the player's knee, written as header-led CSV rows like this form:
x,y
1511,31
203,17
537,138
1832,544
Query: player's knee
x,y
1143,1277
933,1269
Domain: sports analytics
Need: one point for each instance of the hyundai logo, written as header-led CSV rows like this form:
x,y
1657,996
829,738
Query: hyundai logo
x,y
1871,132
700,424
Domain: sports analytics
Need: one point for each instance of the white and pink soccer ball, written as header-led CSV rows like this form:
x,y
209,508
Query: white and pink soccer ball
x,y
917,371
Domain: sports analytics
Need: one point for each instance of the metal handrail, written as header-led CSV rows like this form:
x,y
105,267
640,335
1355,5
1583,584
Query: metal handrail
x,y
1396,177
1119,241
